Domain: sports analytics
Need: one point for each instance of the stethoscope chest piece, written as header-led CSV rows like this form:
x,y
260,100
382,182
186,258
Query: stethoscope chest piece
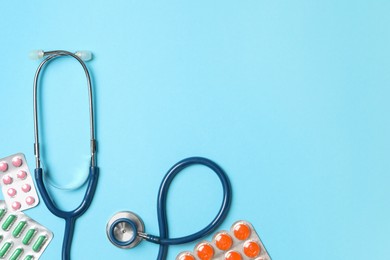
x,y
123,229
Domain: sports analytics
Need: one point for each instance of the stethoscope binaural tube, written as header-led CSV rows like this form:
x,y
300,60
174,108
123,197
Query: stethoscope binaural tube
x,y
51,56
70,217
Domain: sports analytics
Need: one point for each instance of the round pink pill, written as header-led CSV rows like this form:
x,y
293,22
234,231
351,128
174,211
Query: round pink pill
x,y
7,179
21,175
3,166
16,205
11,192
26,187
30,200
17,161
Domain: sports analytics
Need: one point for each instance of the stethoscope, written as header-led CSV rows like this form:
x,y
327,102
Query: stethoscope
x,y
70,217
126,229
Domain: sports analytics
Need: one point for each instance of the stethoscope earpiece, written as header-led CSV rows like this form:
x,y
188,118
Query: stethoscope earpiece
x,y
39,54
123,229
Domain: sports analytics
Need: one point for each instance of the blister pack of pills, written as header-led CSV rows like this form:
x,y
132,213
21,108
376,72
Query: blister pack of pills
x,y
21,238
241,243
17,184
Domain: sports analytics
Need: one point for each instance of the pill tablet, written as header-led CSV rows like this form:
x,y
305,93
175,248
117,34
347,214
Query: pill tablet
x,y
26,187
241,231
17,161
22,175
186,256
3,166
7,180
223,241
233,255
16,205
30,200
205,251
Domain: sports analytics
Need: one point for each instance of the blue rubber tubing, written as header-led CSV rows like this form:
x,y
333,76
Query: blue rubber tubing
x,y
163,238
70,217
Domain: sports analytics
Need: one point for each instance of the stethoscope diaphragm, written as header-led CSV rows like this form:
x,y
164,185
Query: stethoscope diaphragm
x,y
123,229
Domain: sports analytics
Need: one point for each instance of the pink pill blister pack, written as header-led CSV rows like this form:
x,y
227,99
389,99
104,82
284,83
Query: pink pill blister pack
x,y
17,183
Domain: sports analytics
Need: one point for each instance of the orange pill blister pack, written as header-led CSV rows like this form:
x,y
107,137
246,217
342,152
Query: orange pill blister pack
x,y
241,243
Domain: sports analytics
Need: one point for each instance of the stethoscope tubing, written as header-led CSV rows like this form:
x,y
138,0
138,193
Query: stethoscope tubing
x,y
70,217
163,239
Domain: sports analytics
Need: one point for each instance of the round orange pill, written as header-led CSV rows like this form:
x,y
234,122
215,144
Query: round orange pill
x,y
252,249
186,256
223,241
241,231
205,251
233,255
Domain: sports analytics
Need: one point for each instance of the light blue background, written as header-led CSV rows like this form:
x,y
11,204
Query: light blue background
x,y
289,97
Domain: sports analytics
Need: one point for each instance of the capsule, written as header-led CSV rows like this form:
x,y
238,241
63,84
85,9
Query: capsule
x,y
29,257
16,254
19,228
30,234
39,243
4,249
8,222
2,213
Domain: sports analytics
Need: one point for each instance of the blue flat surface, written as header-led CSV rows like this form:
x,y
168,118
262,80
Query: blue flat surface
x,y
291,98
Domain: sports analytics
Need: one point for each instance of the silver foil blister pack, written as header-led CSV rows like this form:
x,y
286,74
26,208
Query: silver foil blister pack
x,y
240,243
21,238
17,183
